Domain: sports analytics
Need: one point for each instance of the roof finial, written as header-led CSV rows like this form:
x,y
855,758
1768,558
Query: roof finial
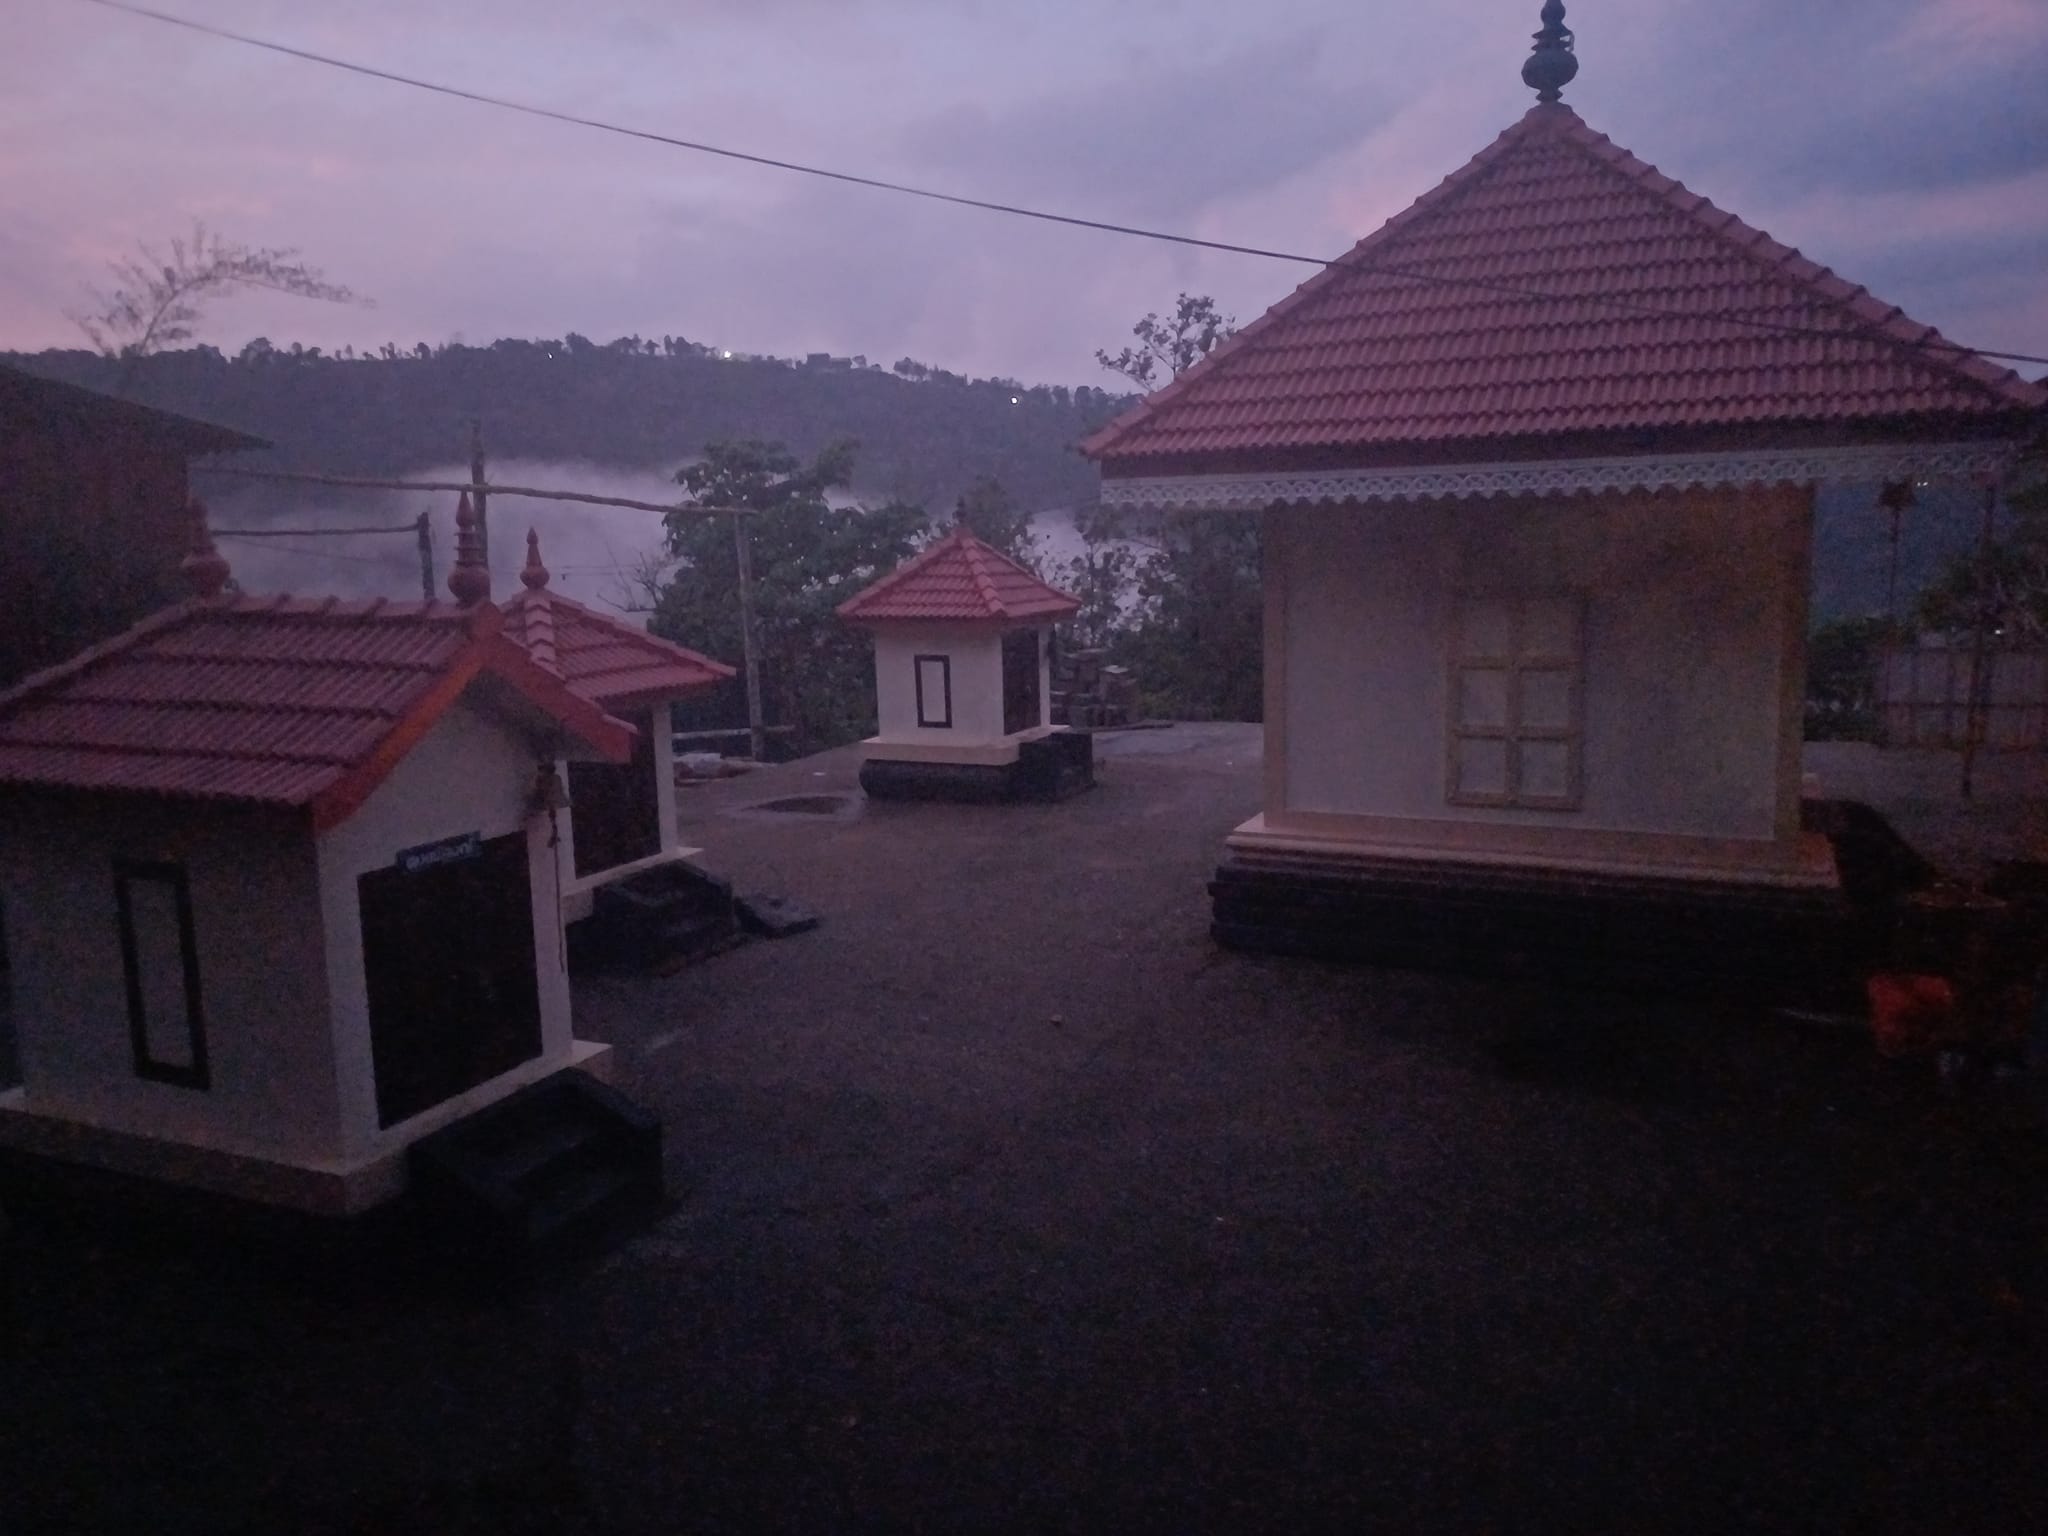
x,y
535,575
470,578
204,568
1551,63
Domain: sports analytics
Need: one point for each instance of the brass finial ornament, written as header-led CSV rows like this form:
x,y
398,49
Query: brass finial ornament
x,y
535,575
1551,63
469,579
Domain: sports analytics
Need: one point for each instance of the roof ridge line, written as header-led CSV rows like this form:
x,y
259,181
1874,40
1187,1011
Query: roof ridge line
x,y
1744,239
890,579
972,548
1455,183
632,633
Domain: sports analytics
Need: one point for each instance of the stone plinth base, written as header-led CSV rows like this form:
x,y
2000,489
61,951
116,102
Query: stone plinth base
x,y
1049,768
330,1188
1768,941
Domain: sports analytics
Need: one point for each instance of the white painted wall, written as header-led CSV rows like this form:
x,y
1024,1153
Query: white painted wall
x,y
977,657
1694,613
256,917
471,773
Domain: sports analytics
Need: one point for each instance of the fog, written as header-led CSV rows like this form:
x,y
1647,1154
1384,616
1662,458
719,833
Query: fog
x,y
592,553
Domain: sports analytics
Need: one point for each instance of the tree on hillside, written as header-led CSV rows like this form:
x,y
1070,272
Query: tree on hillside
x,y
159,295
1174,345
808,557
991,515
1189,620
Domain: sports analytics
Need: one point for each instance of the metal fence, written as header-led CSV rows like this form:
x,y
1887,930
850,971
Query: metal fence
x,y
1924,699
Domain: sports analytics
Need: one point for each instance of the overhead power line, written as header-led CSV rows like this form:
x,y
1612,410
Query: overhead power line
x,y
366,483
299,549
881,184
311,533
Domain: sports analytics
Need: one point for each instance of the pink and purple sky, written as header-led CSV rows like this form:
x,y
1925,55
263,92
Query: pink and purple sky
x,y
1904,142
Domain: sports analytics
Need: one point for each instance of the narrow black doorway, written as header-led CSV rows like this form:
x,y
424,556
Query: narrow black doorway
x,y
448,955
1020,681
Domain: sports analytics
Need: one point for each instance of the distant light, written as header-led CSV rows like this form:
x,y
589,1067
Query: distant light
x,y
726,355
1013,399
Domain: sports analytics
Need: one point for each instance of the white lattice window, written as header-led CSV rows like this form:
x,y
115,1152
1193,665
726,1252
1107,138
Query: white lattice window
x,y
1515,701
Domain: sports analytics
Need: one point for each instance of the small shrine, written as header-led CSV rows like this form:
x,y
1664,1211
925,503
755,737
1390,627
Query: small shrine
x,y
621,819
1534,468
962,690
280,885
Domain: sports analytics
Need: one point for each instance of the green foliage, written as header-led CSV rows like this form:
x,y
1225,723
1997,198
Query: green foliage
x,y
1193,633
2004,586
1842,661
1178,602
1104,576
817,674
1174,345
993,516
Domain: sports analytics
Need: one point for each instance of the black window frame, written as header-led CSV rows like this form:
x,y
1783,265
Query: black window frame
x,y
945,662
163,872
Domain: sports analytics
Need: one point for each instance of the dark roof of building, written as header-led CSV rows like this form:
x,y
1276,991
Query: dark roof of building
x,y
1556,285
279,701
961,579
54,405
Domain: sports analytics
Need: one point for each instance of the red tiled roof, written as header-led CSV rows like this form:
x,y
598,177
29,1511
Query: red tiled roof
x,y
274,701
603,658
958,577
1371,360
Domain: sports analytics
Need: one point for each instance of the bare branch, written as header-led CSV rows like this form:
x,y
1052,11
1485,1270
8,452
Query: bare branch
x,y
158,297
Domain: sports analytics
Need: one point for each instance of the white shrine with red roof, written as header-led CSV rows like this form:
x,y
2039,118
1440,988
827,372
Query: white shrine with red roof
x,y
962,682
280,878
622,816
1534,466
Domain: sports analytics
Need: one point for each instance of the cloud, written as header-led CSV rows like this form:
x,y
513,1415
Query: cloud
x,y
1902,140
1158,143
1882,95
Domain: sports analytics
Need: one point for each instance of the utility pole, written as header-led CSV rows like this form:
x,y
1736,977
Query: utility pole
x,y
477,483
1974,711
1895,497
750,648
425,525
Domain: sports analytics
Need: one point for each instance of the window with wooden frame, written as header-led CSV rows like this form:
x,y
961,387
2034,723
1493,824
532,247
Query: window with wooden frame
x,y
934,691
1516,707
160,963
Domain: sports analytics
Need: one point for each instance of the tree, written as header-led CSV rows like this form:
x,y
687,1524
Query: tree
x,y
809,556
1175,345
988,512
2003,585
159,295
1842,663
1188,615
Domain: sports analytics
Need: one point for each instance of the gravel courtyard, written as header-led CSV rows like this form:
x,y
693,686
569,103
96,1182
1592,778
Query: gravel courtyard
x,y
1007,1201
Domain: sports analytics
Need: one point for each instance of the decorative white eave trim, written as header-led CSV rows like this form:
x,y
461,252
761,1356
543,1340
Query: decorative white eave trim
x,y
1648,472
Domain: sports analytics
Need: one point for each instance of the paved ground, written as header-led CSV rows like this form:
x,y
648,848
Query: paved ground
x,y
1007,1202
1920,790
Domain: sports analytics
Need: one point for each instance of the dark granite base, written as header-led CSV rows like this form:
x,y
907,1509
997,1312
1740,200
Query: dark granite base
x,y
1048,769
1786,945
